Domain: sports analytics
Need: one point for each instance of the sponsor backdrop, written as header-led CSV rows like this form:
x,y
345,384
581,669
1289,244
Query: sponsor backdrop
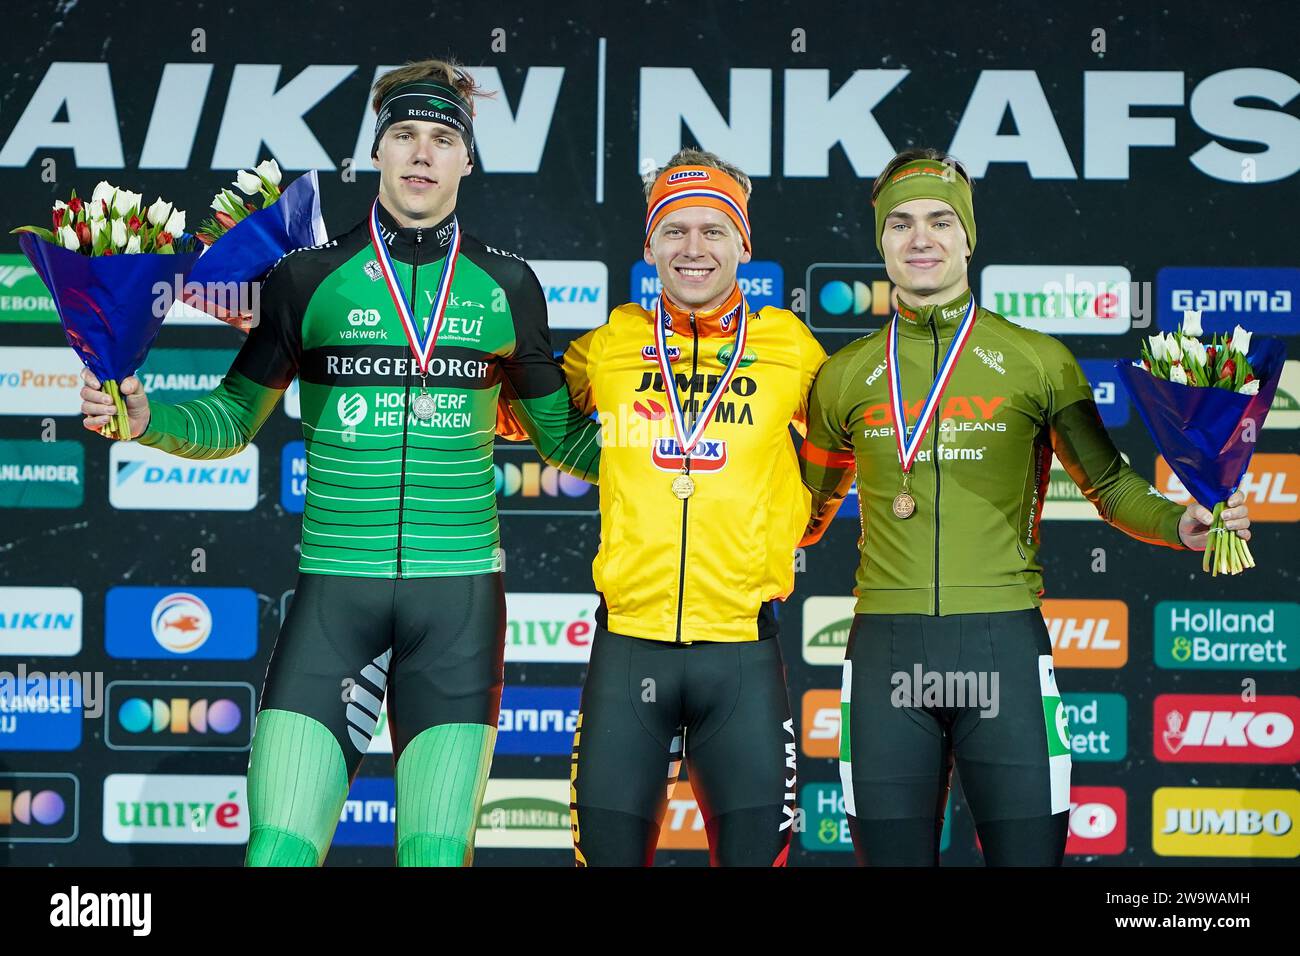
x,y
1126,162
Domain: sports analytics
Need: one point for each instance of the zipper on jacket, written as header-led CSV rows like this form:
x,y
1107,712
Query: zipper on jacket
x,y
406,408
686,502
934,332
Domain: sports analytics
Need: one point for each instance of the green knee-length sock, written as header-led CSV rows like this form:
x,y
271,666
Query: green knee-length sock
x,y
297,785
441,777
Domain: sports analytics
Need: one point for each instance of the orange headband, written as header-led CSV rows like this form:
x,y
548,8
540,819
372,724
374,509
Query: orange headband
x,y
682,186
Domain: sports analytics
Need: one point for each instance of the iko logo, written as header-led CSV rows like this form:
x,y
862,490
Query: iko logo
x,y
352,409
1223,728
160,623
39,807
175,808
179,715
146,479
366,317
1098,821
707,457
364,698
44,621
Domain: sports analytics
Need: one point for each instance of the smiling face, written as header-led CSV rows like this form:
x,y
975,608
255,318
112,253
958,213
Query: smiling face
x,y
696,251
925,251
420,168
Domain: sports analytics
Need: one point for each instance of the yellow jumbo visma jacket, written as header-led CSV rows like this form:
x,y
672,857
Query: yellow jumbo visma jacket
x,y
699,569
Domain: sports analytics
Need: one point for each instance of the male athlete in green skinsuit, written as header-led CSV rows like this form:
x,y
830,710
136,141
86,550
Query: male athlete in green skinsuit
x,y
402,331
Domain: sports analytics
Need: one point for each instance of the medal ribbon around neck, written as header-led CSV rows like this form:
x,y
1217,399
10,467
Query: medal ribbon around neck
x,y
664,321
421,345
909,442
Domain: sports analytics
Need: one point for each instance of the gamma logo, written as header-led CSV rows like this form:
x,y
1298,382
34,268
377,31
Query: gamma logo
x,y
1223,728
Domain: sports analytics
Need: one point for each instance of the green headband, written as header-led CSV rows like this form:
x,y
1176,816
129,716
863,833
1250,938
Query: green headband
x,y
926,179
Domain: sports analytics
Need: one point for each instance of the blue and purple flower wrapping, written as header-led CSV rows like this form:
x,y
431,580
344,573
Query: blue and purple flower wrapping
x,y
249,250
1200,431
109,306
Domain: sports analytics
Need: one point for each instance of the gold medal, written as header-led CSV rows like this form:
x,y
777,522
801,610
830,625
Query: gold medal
x,y
683,486
904,505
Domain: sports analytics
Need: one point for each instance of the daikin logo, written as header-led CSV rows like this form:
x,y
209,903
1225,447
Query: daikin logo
x,y
146,479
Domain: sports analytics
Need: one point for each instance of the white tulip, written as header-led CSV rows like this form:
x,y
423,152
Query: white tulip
x,y
222,200
269,169
118,234
159,212
68,238
175,223
1195,351
1173,351
95,209
248,184
1192,323
1241,340
124,201
1176,374
60,204
1157,343
1250,388
104,190
133,245
96,227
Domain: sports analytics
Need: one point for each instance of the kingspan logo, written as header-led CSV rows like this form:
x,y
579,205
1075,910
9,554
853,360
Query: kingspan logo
x,y
993,358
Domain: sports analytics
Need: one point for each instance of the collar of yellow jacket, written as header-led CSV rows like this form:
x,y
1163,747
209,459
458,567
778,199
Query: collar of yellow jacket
x,y
712,323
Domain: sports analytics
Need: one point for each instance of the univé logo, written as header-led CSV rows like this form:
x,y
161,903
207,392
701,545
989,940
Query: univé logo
x,y
1087,633
181,623
1223,728
1098,821
1225,822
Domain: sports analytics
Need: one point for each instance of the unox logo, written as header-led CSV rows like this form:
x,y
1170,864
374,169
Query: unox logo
x,y
181,623
351,408
538,720
202,623
1261,299
38,807
708,455
650,353
1098,821
1223,728
687,175
174,715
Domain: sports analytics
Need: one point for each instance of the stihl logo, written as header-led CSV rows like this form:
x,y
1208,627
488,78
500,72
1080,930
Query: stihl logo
x,y
1087,633
1098,821
1271,487
707,456
970,407
821,723
1223,728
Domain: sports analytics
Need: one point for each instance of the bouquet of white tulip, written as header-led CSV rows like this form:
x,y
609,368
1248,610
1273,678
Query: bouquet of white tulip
x,y
229,210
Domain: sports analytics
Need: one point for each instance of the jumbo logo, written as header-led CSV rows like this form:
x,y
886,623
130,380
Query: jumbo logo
x,y
1223,728
970,407
1087,633
1269,486
1225,822
706,457
650,353
688,176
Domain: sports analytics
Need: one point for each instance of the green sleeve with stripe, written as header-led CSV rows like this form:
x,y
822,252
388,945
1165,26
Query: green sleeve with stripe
x,y
826,461
218,425
1121,496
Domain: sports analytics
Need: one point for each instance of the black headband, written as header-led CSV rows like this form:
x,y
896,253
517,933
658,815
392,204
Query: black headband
x,y
428,101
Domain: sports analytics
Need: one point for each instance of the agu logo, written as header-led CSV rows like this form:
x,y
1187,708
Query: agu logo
x,y
706,457
1223,728
1225,822
352,409
181,623
1098,821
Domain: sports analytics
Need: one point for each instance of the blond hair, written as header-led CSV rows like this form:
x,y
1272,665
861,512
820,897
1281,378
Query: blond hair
x,y
439,71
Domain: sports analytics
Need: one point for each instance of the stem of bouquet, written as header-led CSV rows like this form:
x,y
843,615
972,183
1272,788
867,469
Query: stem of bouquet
x,y
1210,541
119,426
